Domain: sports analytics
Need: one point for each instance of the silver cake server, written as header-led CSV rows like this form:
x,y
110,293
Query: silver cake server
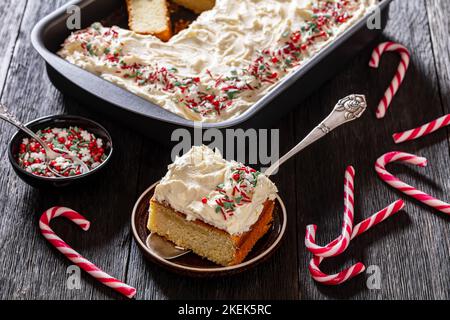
x,y
346,110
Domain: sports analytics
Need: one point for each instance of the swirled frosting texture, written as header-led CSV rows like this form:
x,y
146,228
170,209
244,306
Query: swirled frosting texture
x,y
224,194
227,59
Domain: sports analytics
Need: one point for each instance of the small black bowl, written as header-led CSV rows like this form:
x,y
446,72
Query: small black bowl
x,y
58,121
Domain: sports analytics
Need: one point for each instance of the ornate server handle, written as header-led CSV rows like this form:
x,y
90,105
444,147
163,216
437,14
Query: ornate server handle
x,y
6,115
50,154
347,109
9,117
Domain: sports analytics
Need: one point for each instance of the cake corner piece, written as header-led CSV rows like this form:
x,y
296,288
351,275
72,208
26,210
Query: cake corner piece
x,y
150,17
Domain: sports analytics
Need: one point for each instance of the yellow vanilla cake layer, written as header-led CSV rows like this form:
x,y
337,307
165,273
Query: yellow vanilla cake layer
x,y
198,6
205,240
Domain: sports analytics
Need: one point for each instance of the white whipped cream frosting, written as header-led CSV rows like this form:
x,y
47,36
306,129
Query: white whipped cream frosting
x,y
196,175
221,41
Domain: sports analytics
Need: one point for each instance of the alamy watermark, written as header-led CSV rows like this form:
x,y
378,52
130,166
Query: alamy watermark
x,y
374,280
251,146
374,20
73,22
74,280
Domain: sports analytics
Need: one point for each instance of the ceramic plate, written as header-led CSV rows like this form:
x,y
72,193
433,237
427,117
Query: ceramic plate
x,y
193,265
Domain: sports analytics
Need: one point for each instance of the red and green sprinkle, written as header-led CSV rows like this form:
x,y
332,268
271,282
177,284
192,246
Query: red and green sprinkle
x,y
76,140
269,65
243,181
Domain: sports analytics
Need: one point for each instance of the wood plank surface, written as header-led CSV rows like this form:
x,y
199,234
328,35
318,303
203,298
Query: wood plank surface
x,y
30,267
439,22
274,279
11,13
411,250
404,248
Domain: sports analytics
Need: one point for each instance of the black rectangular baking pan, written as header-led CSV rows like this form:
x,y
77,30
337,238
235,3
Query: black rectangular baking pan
x,y
154,121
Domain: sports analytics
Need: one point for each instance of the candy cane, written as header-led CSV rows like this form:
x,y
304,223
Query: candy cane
x,y
370,222
422,131
380,168
74,256
399,76
334,279
358,268
344,240
378,218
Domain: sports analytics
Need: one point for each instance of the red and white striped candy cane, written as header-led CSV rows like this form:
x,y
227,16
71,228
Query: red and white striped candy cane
x,y
74,256
377,218
380,168
353,271
372,221
344,240
333,279
399,76
422,131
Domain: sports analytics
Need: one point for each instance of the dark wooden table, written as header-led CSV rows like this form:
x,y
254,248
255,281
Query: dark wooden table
x,y
411,250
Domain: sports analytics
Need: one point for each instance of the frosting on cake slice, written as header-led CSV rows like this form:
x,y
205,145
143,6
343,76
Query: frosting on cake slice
x,y
227,195
150,17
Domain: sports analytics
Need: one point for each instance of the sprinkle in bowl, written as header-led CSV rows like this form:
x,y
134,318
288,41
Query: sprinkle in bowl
x,y
65,134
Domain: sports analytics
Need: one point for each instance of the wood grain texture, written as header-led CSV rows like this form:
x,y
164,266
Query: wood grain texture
x,y
410,245
412,250
274,279
30,267
11,13
438,11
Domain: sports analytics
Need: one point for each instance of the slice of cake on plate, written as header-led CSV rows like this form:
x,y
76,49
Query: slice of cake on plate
x,y
219,209
150,17
198,6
